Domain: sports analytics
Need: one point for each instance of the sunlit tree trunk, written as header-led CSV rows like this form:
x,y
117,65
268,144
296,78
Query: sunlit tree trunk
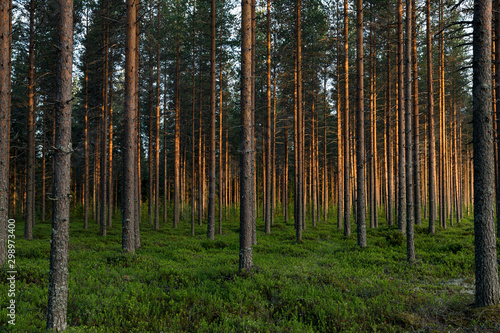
x,y
360,129
129,195
246,150
268,165
177,157
416,122
430,115
346,141
211,178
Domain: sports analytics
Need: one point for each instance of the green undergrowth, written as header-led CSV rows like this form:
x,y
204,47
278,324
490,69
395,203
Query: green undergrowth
x,y
179,283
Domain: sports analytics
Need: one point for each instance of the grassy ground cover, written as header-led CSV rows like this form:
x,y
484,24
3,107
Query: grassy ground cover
x,y
177,283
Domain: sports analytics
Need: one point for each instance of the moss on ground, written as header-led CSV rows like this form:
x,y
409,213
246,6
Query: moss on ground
x,y
180,283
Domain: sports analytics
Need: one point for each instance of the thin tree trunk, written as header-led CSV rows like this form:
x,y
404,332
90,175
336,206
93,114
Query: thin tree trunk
x,y
104,126
193,96
59,249
137,131
360,129
157,125
268,165
110,154
211,178
299,222
410,242
4,125
346,131
177,137
246,162
30,167
129,195
401,127
430,110
221,179
497,85
416,123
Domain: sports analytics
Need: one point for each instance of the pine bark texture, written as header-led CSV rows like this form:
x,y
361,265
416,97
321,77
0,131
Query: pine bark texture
x,y
4,126
247,202
211,179
129,195
410,242
360,129
59,250
487,288
431,135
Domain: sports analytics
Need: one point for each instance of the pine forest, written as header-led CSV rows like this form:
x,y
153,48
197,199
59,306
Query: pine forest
x,y
249,166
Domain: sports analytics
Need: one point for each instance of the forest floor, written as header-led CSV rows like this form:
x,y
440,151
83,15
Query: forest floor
x,y
179,283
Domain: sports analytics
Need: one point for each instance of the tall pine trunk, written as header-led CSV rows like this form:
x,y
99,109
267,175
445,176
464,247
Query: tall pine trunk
x,y
4,125
486,266
61,193
410,242
430,115
30,169
211,177
360,129
247,203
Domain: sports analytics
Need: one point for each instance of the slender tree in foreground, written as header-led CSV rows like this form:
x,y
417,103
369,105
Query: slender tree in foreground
x,y
61,193
401,127
211,179
129,146
410,243
346,139
246,152
360,129
30,167
4,126
487,288
430,116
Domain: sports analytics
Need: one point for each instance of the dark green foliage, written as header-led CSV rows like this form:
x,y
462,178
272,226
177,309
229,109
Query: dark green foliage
x,y
177,283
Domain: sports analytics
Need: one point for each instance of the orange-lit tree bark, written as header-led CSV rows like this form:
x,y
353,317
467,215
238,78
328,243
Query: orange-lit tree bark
x,y
4,125
388,139
486,266
268,166
340,161
416,121
61,194
137,141
110,145
177,139
346,143
299,194
104,122
221,113
30,167
401,127
410,242
129,195
430,116
211,177
497,85
246,151
360,129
